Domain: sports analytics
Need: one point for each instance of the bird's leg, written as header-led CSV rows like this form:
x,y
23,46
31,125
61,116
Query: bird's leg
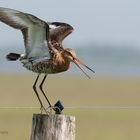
x,y
34,88
41,88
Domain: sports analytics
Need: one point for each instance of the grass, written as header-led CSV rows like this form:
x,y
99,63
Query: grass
x,y
95,103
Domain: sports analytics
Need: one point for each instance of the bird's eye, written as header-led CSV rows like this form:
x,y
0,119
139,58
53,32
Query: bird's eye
x,y
69,53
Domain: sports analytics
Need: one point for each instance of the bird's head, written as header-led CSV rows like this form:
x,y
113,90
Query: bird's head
x,y
71,56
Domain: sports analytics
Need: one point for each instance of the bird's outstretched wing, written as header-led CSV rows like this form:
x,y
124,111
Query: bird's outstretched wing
x,y
59,30
35,31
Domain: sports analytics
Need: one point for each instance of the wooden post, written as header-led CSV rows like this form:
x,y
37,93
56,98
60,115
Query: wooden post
x,y
53,127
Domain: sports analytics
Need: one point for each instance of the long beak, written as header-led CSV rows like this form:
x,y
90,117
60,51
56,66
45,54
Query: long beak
x,y
78,62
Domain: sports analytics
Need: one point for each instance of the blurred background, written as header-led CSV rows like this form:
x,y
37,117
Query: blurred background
x,y
106,33
106,38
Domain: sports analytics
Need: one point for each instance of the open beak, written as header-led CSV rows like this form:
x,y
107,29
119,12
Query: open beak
x,y
78,62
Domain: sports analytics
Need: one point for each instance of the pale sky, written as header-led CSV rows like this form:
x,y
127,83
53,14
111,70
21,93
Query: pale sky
x,y
100,21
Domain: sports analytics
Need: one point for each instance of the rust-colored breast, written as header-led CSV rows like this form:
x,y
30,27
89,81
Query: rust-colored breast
x,y
59,63
55,65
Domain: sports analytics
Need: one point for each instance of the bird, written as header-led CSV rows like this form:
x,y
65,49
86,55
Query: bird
x,y
44,51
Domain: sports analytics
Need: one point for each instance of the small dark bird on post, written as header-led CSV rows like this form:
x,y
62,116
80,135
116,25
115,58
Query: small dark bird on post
x,y
44,52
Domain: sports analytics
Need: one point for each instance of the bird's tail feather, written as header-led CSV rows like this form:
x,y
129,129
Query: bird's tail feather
x,y
12,56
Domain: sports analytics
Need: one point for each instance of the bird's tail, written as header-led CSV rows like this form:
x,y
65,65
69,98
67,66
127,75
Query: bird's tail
x,y
12,56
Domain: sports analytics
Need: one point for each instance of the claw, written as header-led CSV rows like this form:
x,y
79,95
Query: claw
x,y
50,109
57,108
43,109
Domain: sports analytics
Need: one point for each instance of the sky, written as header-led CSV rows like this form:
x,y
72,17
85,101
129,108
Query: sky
x,y
95,21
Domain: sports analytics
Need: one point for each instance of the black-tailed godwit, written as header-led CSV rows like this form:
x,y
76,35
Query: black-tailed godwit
x,y
44,52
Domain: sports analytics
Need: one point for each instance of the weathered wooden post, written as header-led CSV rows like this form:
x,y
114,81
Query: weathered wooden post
x,y
53,127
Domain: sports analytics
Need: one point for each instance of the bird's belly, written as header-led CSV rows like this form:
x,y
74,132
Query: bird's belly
x,y
45,67
37,67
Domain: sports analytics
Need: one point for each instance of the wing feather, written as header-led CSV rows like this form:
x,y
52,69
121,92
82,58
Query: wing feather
x,y
33,29
59,31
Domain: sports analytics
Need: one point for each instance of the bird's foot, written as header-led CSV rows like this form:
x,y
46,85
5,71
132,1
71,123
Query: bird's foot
x,y
43,109
54,108
50,109
57,108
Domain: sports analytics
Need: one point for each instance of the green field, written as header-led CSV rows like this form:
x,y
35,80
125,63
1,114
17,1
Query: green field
x,y
106,108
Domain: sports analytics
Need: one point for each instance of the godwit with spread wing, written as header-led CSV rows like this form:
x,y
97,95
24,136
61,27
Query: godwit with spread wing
x,y
44,52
